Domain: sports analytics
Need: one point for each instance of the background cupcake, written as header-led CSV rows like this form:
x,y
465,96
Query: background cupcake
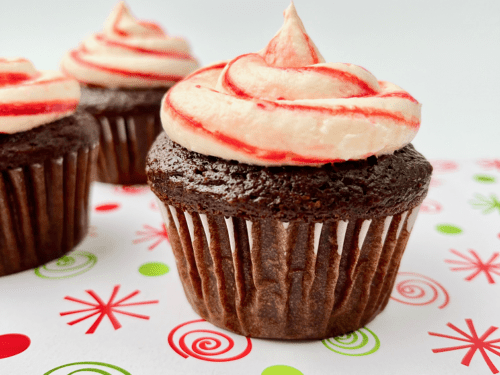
x,y
124,72
48,151
288,188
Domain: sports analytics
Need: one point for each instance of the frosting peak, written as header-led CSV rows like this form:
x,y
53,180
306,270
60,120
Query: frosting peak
x,y
285,106
121,23
291,46
30,98
130,53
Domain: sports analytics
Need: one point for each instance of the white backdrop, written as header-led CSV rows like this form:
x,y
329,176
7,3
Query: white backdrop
x,y
445,53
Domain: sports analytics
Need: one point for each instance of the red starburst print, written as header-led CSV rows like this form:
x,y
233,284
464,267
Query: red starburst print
x,y
490,164
475,264
444,166
152,234
430,206
102,309
474,343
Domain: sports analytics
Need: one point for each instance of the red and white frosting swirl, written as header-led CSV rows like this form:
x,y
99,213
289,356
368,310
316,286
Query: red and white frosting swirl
x,y
285,106
130,53
30,98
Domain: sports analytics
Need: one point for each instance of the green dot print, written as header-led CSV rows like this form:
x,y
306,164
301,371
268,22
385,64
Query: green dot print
x,y
484,179
448,229
154,269
281,370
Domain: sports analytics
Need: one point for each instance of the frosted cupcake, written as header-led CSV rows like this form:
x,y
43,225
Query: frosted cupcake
x,y
124,71
48,151
289,189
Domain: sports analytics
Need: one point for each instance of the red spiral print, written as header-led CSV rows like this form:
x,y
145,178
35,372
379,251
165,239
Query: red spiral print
x,y
208,345
418,290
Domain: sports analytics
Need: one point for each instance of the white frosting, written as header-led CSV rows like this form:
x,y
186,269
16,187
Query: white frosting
x,y
285,106
30,98
130,53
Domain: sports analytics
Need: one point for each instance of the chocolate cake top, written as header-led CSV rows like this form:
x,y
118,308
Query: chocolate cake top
x,y
48,141
376,186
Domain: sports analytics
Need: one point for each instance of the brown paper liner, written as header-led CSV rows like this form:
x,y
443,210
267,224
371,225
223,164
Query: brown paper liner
x,y
124,144
293,280
44,209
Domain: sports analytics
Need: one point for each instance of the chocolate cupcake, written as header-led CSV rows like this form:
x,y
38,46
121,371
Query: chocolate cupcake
x,y
289,188
124,71
48,152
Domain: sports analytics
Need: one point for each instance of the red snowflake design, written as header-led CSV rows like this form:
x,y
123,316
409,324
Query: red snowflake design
x,y
474,343
109,309
430,206
476,265
444,166
490,164
152,234
131,189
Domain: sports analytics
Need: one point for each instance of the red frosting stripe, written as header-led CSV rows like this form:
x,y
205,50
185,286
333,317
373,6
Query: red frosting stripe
x,y
30,98
35,108
77,56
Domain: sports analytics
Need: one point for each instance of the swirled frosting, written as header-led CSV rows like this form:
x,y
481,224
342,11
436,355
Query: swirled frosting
x,y
129,53
285,106
30,98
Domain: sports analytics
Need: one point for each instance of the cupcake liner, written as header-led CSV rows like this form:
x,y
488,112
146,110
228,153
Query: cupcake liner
x,y
44,209
294,280
124,143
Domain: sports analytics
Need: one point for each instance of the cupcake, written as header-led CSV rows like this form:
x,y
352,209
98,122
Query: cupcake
x,y
48,151
289,189
124,71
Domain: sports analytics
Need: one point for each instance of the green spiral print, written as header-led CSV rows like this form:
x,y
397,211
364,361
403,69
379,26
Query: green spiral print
x,y
76,367
70,265
355,344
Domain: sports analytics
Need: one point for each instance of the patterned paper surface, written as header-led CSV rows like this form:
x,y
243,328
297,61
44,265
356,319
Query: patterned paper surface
x,y
115,304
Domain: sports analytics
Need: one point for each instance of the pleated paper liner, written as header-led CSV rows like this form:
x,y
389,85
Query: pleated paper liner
x,y
124,143
44,209
293,280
